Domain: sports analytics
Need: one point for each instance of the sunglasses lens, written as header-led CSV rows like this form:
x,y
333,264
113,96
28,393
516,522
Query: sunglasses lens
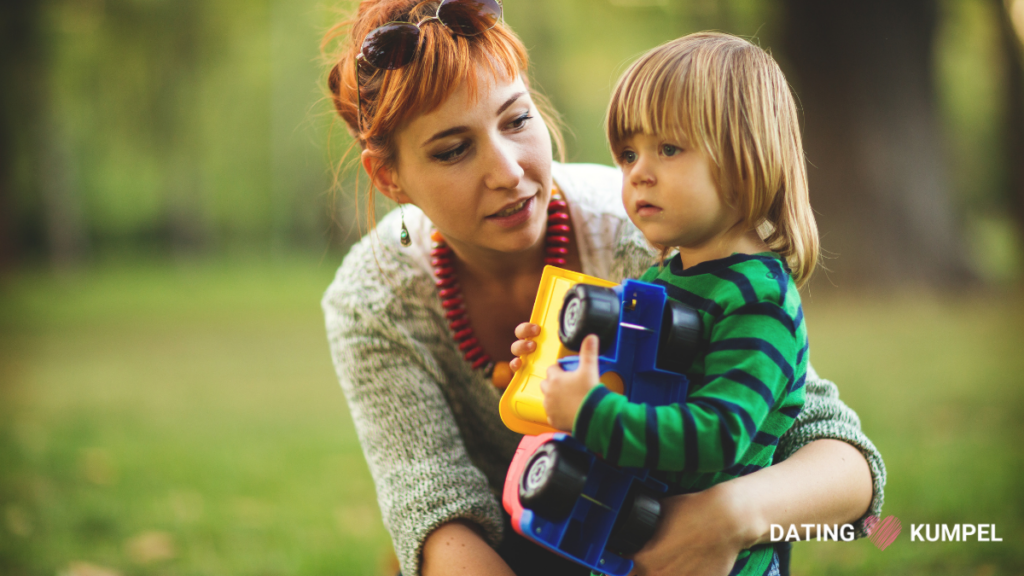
x,y
469,17
391,46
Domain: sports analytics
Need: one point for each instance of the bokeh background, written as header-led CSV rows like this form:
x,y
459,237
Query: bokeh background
x,y
168,222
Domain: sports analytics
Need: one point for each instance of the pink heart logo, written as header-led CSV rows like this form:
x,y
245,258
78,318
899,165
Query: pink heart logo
x,y
882,533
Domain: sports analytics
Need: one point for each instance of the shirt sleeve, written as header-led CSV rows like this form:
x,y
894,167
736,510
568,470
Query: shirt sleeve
x,y
825,416
420,466
750,366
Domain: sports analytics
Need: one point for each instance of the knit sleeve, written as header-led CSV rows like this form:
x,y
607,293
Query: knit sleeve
x,y
420,466
826,416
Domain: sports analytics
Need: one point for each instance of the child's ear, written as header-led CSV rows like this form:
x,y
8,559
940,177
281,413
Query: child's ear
x,y
384,179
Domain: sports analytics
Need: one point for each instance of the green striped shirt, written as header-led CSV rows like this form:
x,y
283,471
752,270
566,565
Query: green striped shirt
x,y
746,385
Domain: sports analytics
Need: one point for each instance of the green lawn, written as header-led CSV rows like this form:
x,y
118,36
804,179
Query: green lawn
x,y
185,419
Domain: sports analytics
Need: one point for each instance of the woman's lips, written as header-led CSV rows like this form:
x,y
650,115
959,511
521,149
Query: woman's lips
x,y
514,214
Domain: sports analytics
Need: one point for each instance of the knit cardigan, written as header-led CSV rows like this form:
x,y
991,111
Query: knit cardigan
x,y
428,423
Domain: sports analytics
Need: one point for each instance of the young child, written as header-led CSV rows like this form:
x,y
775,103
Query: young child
x,y
706,133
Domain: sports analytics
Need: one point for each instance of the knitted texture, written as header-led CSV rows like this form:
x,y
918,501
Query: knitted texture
x,y
429,424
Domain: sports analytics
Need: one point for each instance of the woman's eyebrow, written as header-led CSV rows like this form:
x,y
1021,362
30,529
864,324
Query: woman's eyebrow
x,y
446,133
460,129
510,101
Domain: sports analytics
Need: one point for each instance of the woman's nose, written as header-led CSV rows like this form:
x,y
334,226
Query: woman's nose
x,y
503,170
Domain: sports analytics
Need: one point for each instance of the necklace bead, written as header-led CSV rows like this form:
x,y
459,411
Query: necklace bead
x,y
448,290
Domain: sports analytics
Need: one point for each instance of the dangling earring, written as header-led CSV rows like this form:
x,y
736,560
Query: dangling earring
x,y
403,236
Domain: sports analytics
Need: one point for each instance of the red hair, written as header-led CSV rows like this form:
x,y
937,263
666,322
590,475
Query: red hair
x,y
443,61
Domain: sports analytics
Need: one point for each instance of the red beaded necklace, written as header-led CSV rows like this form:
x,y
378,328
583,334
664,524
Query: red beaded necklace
x,y
556,250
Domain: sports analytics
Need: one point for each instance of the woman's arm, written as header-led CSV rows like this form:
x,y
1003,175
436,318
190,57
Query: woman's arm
x,y
458,549
421,469
825,482
833,475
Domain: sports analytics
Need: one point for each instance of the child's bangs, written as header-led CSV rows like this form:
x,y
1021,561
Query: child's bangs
x,y
651,99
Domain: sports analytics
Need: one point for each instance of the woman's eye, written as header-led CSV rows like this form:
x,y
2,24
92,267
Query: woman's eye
x,y
452,154
627,157
520,121
669,150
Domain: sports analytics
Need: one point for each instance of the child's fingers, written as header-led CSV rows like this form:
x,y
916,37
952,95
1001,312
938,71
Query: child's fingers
x,y
515,364
523,347
527,330
589,352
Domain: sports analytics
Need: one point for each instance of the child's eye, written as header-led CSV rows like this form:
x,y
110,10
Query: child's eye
x,y
627,157
449,155
669,150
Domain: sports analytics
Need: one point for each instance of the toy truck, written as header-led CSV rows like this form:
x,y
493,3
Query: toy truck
x,y
559,493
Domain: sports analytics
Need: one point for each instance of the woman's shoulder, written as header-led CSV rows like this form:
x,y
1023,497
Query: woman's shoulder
x,y
594,187
378,273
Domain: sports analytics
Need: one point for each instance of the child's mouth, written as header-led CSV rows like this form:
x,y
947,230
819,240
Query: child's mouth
x,y
644,209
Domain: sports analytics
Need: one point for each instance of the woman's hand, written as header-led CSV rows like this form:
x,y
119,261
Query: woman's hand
x,y
523,345
700,534
565,391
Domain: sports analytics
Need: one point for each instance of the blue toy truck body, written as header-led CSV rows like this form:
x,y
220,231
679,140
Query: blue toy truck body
x,y
584,534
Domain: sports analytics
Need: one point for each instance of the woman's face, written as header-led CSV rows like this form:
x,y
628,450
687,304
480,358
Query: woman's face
x,y
479,169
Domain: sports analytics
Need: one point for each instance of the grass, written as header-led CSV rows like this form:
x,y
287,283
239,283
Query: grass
x,y
185,419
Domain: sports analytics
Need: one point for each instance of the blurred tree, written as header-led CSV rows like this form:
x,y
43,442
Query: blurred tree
x,y
864,74
38,197
1011,42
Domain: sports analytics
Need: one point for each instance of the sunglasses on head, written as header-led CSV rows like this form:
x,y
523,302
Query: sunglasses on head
x,y
394,44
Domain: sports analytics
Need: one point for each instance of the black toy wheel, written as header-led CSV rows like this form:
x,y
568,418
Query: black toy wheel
x,y
588,309
680,337
552,480
636,522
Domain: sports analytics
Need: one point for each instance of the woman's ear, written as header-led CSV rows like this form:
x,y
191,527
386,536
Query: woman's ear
x,y
384,179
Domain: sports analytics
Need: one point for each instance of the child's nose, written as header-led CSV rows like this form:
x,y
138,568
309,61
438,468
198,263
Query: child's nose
x,y
642,176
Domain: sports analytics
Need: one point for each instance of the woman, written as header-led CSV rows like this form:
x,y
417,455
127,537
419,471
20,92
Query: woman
x,y
421,314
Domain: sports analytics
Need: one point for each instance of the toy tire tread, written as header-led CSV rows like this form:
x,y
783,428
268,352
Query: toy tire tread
x,y
637,521
588,309
553,480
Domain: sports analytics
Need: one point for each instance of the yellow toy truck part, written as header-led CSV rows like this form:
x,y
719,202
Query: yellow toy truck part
x,y
522,404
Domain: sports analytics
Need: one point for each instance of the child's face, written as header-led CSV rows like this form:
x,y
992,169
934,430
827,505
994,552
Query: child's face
x,y
669,192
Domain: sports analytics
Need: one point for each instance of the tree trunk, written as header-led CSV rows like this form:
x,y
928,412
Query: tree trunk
x,y
1013,137
863,73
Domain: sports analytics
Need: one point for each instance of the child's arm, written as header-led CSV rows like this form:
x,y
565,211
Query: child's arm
x,y
751,364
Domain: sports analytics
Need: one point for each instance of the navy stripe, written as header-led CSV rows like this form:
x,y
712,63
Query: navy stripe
x,y
653,444
741,282
757,345
770,310
587,412
692,455
742,469
791,411
714,403
675,264
690,299
740,565
781,276
800,354
728,443
765,439
800,382
615,442
799,315
748,380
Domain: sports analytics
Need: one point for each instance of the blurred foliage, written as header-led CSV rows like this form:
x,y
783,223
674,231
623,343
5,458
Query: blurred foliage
x,y
202,126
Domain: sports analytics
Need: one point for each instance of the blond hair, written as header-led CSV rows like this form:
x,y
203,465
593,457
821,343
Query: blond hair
x,y
730,99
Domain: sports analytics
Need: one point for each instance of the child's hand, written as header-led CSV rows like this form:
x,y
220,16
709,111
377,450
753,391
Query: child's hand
x,y
565,391
524,345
